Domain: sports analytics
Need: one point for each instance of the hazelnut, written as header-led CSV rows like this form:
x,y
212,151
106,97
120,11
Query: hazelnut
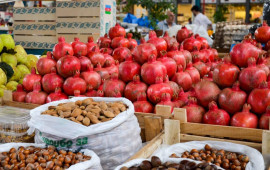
x,y
207,147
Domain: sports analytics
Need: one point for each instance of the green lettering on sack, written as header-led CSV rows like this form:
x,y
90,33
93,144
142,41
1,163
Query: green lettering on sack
x,y
85,141
82,141
69,143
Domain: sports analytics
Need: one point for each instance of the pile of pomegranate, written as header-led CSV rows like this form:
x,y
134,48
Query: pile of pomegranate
x,y
182,72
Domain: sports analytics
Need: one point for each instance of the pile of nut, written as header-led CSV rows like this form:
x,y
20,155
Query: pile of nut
x,y
87,111
224,159
31,158
155,164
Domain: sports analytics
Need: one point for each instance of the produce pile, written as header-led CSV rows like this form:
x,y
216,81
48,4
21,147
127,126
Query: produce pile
x,y
14,63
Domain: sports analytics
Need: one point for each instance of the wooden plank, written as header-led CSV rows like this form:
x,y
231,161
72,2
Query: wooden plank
x,y
142,134
34,13
35,41
149,148
180,114
40,28
19,104
153,127
222,131
266,142
7,95
163,110
172,131
188,138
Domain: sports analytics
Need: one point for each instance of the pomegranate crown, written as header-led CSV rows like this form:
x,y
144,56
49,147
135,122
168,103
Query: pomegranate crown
x,y
246,107
90,39
263,85
19,88
61,39
77,93
136,78
251,62
236,86
37,87
49,54
192,100
129,35
141,96
58,90
76,39
33,70
159,80
212,105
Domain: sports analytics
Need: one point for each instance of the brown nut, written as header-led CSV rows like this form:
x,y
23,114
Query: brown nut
x,y
79,118
50,165
93,119
30,160
194,151
207,147
76,112
108,114
78,102
86,121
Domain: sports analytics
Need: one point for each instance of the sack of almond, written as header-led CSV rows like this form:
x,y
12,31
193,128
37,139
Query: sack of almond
x,y
107,126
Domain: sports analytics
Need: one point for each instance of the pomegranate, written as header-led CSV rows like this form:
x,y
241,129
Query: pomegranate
x,y
245,118
183,34
208,76
159,43
203,41
52,81
186,53
19,94
117,31
128,69
265,118
193,72
30,79
169,63
106,51
171,42
101,85
261,63
259,98
113,85
112,67
190,43
207,54
91,44
134,88
132,42
68,65
202,57
182,97
121,53
96,57
216,116
45,64
108,58
36,96
152,69
79,48
248,39
206,92
91,77
241,52
194,111
143,51
166,100
174,86
77,93
200,66
154,91
178,56
57,95
262,34
61,49
91,92
225,73
142,105
74,83
214,54
103,72
100,93
104,42
183,79
232,99
84,62
119,42
252,76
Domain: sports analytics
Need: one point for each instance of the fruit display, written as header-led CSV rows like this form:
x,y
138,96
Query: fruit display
x,y
87,111
225,159
40,158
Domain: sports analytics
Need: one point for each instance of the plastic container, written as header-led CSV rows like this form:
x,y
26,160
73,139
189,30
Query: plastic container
x,y
13,125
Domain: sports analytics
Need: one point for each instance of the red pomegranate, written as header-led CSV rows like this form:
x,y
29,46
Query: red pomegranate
x,y
91,92
193,72
91,44
132,42
77,93
113,85
200,66
106,51
45,64
159,43
203,41
112,67
79,48
121,53
154,91
74,83
143,51
68,65
128,69
232,99
174,86
216,116
186,53
103,72
206,92
252,76
142,105
182,97
262,34
61,49
91,77
84,62
96,57
208,76
178,56
261,63
241,52
57,95
152,69
225,73
52,81
207,54
190,43
171,42
183,79
245,118
104,42
134,88
117,31
194,111
108,58
248,39
265,118
119,42
183,34
101,85
259,98
202,57
19,94
36,96
169,63
166,101
30,79
214,54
